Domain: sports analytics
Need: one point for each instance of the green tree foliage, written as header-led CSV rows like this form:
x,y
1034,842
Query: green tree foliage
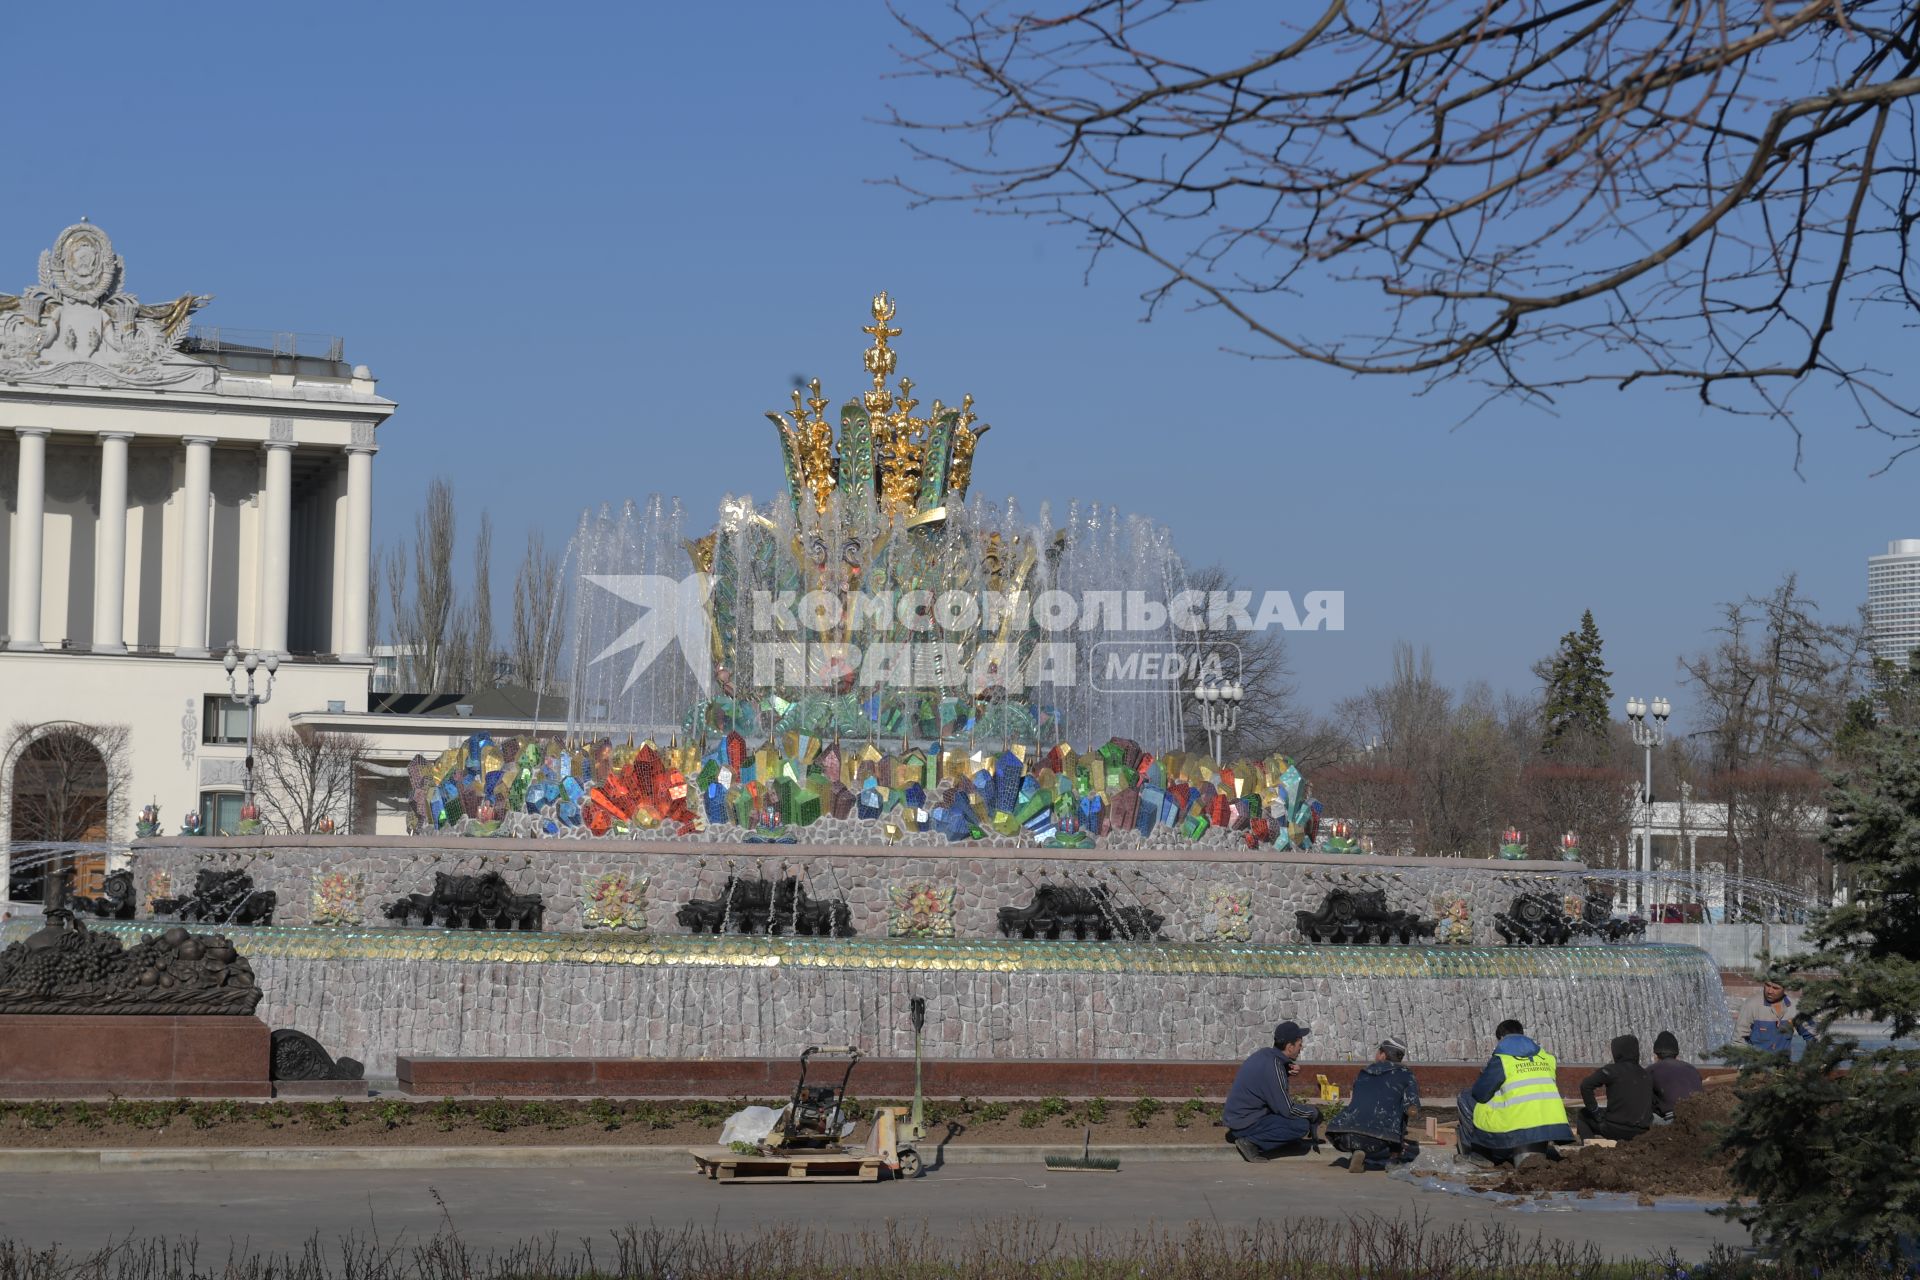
x,y
1825,1146
1577,695
1894,700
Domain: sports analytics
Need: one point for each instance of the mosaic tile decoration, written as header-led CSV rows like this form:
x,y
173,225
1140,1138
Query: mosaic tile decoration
x,y
461,946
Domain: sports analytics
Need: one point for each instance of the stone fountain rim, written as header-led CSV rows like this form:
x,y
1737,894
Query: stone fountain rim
x,y
690,848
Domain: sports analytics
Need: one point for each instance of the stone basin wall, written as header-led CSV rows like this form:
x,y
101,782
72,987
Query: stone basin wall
x,y
376,994
1212,991
1222,894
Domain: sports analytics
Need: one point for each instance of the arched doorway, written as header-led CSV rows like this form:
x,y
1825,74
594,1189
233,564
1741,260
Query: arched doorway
x,y
59,795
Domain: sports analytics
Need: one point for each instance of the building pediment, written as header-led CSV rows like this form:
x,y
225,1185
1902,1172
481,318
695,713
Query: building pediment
x,y
78,327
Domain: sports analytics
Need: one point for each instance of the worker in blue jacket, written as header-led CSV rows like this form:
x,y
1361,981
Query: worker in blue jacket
x,y
1769,1021
1262,1118
1372,1129
1513,1112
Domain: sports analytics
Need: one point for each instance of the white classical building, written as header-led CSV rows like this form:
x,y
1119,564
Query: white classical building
x,y
169,490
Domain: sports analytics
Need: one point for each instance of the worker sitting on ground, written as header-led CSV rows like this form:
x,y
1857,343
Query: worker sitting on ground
x,y
1628,1112
1263,1121
1674,1080
1513,1112
1372,1128
1769,1020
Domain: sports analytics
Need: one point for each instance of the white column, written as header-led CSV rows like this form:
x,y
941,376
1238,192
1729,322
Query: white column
x,y
110,556
30,509
276,547
337,558
355,575
195,529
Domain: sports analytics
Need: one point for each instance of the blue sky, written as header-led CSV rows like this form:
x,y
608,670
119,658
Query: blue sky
x,y
587,247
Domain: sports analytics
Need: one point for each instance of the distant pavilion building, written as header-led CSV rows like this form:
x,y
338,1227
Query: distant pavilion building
x,y
168,490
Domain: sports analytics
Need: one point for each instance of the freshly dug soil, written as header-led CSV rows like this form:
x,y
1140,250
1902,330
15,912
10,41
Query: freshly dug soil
x,y
481,1122
1668,1160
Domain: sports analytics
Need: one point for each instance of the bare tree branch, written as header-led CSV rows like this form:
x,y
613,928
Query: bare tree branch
x,y
305,781
1542,194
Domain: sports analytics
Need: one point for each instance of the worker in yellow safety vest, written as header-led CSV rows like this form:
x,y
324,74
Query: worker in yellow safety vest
x,y
1513,1112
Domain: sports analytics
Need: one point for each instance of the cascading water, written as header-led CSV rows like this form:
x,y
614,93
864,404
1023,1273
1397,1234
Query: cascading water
x,y
846,624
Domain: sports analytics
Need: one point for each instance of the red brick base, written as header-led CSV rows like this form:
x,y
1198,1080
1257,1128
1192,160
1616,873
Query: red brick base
x,y
872,1078
72,1056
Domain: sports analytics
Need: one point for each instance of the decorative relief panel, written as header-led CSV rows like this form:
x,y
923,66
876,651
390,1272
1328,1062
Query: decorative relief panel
x,y
221,773
76,327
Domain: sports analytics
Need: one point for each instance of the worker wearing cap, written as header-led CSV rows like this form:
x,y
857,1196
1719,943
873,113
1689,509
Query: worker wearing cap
x,y
1372,1128
1263,1120
1513,1112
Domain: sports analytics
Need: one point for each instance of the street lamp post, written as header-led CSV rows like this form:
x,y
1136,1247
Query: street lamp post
x,y
251,699
1648,720
1219,712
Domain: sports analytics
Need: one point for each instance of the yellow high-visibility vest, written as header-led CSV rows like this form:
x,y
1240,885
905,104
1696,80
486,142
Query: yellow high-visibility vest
x,y
1529,1098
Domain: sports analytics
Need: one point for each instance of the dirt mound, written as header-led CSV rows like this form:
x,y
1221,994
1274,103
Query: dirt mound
x,y
1676,1159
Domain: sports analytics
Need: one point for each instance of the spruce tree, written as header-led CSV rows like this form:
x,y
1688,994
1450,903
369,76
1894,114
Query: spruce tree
x,y
1577,694
1825,1146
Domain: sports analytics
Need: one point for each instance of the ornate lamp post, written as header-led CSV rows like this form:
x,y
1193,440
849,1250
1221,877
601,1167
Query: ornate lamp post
x,y
251,700
1648,720
1219,712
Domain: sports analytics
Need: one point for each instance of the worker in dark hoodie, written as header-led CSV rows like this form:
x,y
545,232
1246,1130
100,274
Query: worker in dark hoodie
x,y
1263,1121
1513,1113
1674,1080
1628,1111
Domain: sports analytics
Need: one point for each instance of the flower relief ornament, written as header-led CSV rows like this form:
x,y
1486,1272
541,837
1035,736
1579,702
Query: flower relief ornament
x,y
614,900
1455,915
921,910
337,899
1230,914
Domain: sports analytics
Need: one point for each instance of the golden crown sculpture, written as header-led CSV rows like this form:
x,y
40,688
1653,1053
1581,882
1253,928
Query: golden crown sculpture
x,y
913,465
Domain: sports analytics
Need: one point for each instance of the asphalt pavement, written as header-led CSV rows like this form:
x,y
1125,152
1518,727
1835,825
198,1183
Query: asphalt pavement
x,y
493,1209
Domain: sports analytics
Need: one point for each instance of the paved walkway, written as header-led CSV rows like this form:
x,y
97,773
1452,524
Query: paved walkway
x,y
492,1208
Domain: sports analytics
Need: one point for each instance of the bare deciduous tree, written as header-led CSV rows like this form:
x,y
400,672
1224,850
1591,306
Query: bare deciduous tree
x,y
1445,765
423,603
536,604
470,662
1701,193
1268,720
1774,693
1593,802
303,779
444,637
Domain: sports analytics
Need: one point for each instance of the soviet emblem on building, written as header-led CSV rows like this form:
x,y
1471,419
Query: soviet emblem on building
x,y
77,327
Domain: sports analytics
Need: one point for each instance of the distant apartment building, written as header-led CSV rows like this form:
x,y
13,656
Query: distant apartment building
x,y
1893,600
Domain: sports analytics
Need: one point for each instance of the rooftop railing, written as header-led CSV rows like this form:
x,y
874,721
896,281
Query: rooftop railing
x,y
216,339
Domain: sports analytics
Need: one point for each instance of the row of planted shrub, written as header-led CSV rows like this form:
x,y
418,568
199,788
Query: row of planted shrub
x,y
501,1114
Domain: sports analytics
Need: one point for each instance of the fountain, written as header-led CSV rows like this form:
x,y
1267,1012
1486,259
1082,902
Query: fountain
x,y
886,676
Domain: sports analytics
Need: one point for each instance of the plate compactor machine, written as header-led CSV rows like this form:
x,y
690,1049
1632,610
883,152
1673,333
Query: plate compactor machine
x,y
814,1121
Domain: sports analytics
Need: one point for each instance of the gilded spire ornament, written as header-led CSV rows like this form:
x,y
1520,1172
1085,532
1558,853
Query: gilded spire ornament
x,y
916,464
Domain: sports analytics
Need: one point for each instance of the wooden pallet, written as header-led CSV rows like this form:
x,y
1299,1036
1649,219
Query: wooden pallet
x,y
723,1164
